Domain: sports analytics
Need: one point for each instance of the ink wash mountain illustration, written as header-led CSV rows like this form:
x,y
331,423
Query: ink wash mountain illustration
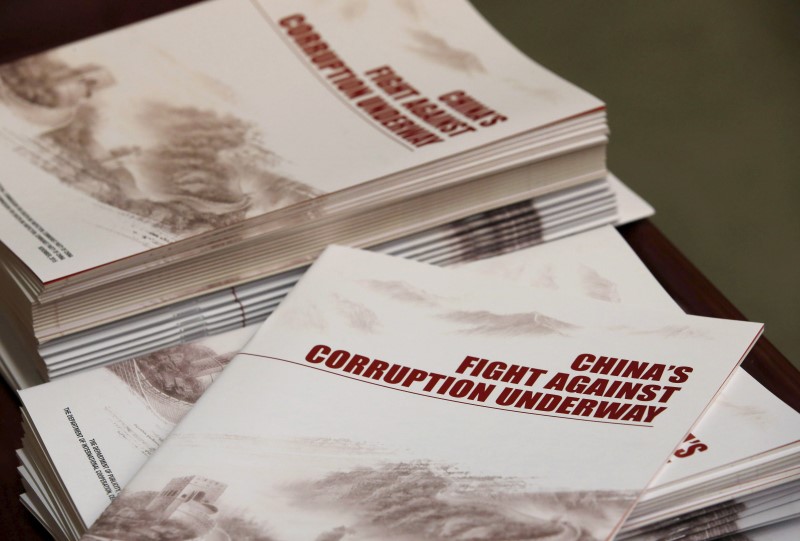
x,y
438,50
391,501
485,322
279,128
429,46
344,310
190,170
170,381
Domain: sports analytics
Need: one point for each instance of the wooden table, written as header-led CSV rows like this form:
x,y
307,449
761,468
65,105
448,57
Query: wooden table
x,y
30,26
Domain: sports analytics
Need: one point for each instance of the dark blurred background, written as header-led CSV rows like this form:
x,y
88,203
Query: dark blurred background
x,y
703,106
705,124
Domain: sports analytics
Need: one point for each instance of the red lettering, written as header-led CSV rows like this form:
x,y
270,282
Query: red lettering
x,y
317,354
583,362
680,374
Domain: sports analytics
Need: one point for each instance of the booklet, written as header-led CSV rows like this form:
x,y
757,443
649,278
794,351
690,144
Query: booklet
x,y
486,234
597,264
201,119
387,399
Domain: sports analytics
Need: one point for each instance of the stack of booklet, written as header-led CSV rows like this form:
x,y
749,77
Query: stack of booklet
x,y
478,236
464,240
738,470
233,140
391,400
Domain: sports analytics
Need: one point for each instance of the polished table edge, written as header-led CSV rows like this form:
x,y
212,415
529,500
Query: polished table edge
x,y
698,296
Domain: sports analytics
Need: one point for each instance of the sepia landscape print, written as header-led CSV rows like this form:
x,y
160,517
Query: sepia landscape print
x,y
423,43
170,381
436,49
186,170
393,501
47,92
470,321
427,501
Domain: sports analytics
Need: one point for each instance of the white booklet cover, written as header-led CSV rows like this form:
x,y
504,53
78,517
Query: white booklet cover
x,y
232,109
387,399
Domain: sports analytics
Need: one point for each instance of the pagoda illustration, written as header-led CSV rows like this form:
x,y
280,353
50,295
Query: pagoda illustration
x,y
189,501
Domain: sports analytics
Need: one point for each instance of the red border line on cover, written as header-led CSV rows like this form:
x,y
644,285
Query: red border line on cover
x,y
304,61
442,398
